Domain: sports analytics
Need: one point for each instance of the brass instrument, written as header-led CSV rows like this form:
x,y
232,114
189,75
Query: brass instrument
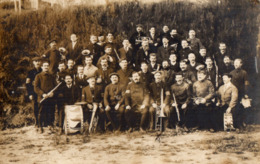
x,y
93,122
176,107
159,115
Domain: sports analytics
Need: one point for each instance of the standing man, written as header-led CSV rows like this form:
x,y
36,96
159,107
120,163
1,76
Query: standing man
x,y
136,101
185,50
136,38
44,83
30,85
188,75
195,43
126,52
113,101
124,73
94,48
74,49
163,51
89,70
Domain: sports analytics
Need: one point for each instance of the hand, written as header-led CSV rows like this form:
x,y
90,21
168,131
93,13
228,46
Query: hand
x,y
217,104
45,95
107,108
143,106
173,104
31,97
128,107
184,106
100,105
197,101
50,94
246,96
117,106
110,59
203,101
90,106
228,110
28,80
154,105
99,80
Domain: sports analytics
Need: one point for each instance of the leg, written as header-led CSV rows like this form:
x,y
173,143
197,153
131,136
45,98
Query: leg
x,y
129,118
152,114
144,114
35,110
120,114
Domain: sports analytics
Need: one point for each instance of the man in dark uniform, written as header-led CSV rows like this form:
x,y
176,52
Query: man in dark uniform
x,y
227,67
53,55
80,79
94,48
136,101
184,51
195,43
188,75
168,75
30,84
157,88
126,52
175,40
219,56
163,51
143,54
111,58
113,101
192,63
146,77
203,92
212,73
136,38
154,39
93,96
69,94
74,49
174,65
44,83
124,73
181,91
154,65
103,73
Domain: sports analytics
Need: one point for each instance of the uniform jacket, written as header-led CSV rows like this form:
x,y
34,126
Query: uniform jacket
x,y
96,51
228,96
104,75
54,57
128,55
136,94
195,44
124,76
240,80
155,92
141,56
183,53
203,89
31,75
90,98
70,95
182,93
75,53
146,78
114,93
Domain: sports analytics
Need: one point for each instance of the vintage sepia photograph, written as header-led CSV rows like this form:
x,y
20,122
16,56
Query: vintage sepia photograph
x,y
130,81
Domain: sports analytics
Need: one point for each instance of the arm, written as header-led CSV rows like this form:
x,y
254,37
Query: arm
x,y
37,86
234,97
211,91
106,96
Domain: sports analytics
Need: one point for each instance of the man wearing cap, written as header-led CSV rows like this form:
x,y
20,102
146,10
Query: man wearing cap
x,y
89,69
154,39
44,83
163,51
93,96
74,49
188,75
203,92
30,84
157,88
227,98
136,37
94,48
181,92
136,102
103,73
53,55
111,58
143,54
195,43
113,100
124,73
175,40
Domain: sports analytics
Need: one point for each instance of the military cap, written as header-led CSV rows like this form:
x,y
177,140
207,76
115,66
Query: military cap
x,y
139,25
85,52
200,67
90,77
36,59
110,75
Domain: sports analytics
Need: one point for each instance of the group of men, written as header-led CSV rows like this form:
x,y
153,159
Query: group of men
x,y
129,84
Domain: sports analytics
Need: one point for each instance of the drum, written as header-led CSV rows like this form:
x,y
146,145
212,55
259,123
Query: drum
x,y
73,120
228,121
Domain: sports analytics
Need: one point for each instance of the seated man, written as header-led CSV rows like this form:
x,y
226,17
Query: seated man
x,y
227,96
93,96
136,101
158,88
113,100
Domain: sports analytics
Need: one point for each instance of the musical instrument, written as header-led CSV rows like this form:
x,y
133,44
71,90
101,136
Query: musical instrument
x,y
51,92
94,120
228,121
176,107
159,115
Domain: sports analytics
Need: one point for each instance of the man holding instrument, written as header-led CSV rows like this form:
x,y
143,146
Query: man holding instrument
x,y
179,98
44,84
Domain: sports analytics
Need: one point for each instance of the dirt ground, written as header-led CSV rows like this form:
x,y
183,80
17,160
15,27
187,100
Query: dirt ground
x,y
26,145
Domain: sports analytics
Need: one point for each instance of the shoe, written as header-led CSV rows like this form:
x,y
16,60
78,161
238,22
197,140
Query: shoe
x,y
185,129
142,130
41,130
60,131
211,130
130,130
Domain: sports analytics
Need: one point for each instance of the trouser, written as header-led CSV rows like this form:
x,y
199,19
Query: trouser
x,y
61,112
167,111
132,114
35,109
117,121
87,114
46,113
182,116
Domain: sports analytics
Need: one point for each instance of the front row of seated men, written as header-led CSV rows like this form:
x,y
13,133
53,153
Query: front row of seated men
x,y
198,104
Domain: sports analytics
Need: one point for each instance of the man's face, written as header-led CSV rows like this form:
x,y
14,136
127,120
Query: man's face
x,y
203,52
126,43
153,59
237,64
101,38
93,39
37,63
136,77
139,29
114,79
179,79
152,30
144,68
70,64
108,50
165,64
165,41
191,57
173,32
183,66
68,80
209,63
88,61
226,60
104,63
110,37
92,81
145,45
226,79
80,70
45,67
192,34
222,46
201,76
173,58
73,38
158,77
123,64
184,44
62,67
53,45
165,29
